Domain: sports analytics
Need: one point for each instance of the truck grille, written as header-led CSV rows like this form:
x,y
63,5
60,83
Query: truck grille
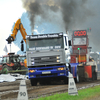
x,y
46,75
45,60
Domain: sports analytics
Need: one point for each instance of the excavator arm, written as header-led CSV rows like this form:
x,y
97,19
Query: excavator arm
x,y
18,26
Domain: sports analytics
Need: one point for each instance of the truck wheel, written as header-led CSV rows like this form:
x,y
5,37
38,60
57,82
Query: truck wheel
x,y
66,80
42,83
77,78
33,82
94,75
5,69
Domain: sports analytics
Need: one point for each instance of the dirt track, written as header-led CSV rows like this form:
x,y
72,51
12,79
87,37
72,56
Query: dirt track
x,y
9,90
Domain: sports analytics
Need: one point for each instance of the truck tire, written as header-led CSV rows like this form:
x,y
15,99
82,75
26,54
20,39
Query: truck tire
x,y
33,82
94,75
6,69
77,78
66,80
44,82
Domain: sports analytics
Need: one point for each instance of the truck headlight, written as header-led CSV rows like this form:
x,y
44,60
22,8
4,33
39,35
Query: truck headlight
x,y
57,57
61,68
58,60
33,63
31,71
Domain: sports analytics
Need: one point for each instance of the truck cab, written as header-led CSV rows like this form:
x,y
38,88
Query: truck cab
x,y
48,57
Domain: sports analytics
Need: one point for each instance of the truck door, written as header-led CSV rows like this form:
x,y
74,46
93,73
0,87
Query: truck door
x,y
67,50
65,43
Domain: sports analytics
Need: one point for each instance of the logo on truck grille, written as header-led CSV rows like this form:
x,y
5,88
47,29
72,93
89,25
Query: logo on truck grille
x,y
45,58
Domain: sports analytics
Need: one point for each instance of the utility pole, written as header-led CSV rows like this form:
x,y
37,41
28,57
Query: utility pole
x,y
10,48
79,55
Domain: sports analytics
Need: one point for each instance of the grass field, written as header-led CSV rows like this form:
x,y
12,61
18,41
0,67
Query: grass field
x,y
84,94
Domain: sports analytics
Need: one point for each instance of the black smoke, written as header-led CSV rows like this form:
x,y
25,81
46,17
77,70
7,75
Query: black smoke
x,y
67,14
71,12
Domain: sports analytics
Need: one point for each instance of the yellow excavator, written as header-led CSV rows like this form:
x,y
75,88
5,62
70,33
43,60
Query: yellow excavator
x,y
18,26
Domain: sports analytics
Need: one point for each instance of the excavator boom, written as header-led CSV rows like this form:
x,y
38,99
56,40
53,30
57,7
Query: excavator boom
x,y
18,26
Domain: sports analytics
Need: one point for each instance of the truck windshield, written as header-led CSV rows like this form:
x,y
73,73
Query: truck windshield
x,y
44,44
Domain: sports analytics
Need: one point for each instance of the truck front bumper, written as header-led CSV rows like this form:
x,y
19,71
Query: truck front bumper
x,y
45,72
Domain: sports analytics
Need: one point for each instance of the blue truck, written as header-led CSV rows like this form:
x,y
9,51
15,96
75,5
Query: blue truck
x,y
48,58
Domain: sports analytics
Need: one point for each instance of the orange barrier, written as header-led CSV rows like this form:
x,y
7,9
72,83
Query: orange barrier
x,y
88,71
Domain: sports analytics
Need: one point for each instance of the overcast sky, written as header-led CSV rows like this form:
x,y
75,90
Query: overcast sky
x,y
12,10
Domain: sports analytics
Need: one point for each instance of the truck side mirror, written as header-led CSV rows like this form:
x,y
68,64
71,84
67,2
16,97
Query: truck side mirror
x,y
69,42
22,46
65,48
